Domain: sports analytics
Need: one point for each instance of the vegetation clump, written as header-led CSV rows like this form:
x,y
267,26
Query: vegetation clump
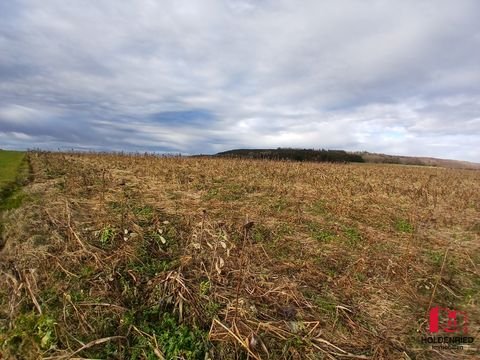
x,y
313,155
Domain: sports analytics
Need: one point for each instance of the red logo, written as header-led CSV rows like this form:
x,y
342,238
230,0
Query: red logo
x,y
448,321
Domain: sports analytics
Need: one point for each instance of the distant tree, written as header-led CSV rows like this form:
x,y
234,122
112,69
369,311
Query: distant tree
x,y
338,156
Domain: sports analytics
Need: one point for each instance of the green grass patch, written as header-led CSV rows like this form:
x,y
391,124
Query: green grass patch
x,y
30,332
13,172
10,162
145,214
284,229
13,200
436,257
261,234
176,340
325,302
107,235
402,225
320,234
353,236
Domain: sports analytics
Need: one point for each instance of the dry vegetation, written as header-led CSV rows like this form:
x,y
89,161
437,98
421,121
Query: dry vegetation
x,y
144,257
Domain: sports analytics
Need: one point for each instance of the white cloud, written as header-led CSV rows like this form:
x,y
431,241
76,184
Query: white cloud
x,y
345,74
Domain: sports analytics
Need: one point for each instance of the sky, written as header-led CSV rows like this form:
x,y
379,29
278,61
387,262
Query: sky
x,y
396,77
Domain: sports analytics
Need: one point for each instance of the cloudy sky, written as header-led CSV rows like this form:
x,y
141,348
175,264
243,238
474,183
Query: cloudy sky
x,y
400,77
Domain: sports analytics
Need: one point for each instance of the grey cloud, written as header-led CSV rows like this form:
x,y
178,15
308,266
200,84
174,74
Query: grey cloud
x,y
203,77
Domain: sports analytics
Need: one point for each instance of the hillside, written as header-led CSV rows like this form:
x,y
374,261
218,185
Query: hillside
x,y
344,156
417,160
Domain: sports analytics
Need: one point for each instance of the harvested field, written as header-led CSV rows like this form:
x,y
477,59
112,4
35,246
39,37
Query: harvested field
x,y
144,257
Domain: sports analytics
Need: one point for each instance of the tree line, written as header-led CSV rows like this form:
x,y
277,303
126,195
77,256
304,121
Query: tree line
x,y
320,155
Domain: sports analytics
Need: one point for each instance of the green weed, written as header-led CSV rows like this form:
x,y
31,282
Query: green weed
x,y
404,226
213,308
320,234
107,235
174,340
284,229
144,214
436,257
326,303
261,234
204,287
30,331
353,236
359,276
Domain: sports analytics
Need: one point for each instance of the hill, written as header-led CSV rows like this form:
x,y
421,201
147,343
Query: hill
x,y
417,160
340,156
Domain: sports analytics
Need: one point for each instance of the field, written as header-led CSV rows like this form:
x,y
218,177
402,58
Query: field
x,y
13,172
144,257
9,164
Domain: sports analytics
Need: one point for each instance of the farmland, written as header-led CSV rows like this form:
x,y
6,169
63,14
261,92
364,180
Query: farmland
x,y
10,161
145,257
13,172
